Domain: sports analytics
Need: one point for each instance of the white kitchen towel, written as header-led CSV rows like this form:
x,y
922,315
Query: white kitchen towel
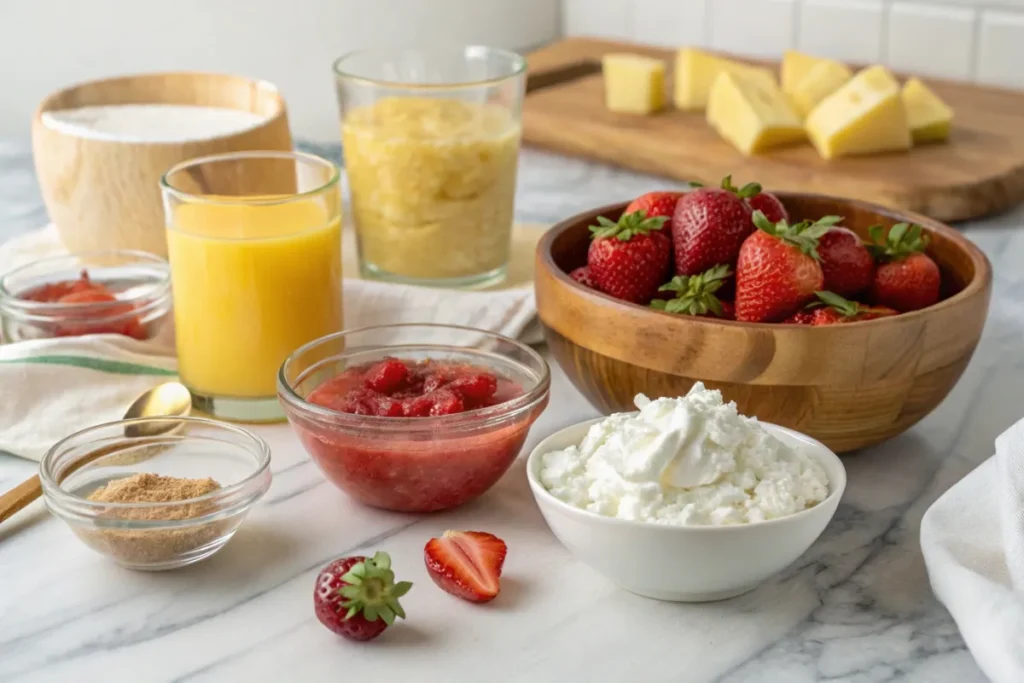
x,y
52,388
510,311
973,544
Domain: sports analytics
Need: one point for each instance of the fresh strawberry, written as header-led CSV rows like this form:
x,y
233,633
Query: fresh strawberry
x,y
695,294
777,272
631,258
655,204
709,225
834,309
801,317
846,263
582,275
466,564
769,205
357,597
906,279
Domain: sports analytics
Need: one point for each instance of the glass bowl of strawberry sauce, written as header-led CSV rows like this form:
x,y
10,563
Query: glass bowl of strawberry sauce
x,y
413,417
108,292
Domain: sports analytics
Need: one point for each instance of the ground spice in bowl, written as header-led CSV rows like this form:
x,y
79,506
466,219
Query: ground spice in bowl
x,y
144,547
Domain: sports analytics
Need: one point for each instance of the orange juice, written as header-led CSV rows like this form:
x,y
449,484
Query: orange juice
x,y
252,283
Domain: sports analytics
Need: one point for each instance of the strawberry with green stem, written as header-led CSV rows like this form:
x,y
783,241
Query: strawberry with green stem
x,y
630,258
695,294
709,225
762,201
357,597
832,309
777,271
906,278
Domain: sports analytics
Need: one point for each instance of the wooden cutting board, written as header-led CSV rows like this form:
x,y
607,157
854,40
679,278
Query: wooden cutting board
x,y
979,171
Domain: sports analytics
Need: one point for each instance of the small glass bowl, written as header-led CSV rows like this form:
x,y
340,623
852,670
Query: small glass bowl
x,y
156,536
414,464
140,281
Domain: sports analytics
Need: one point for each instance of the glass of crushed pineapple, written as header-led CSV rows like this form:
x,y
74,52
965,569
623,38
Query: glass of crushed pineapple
x,y
431,141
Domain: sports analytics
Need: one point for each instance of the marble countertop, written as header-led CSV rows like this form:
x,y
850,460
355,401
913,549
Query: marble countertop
x,y
855,608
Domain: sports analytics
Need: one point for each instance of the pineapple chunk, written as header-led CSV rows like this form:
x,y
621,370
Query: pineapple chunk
x,y
750,114
822,80
796,65
929,117
696,71
633,84
864,116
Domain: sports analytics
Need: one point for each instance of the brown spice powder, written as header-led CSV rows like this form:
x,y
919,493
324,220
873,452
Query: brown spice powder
x,y
153,546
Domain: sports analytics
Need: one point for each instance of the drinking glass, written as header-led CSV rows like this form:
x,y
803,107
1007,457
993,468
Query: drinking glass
x,y
431,143
254,244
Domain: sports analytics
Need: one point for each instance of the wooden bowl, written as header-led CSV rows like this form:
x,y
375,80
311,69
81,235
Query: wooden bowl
x,y
104,194
849,385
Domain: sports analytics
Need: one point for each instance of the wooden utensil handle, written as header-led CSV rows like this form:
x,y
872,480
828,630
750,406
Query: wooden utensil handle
x,y
30,489
20,496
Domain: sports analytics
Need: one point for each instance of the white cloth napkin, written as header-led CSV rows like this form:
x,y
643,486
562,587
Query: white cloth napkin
x,y
973,544
52,388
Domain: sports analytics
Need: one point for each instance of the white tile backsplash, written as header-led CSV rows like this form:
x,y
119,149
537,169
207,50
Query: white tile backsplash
x,y
670,23
847,30
759,28
601,18
1001,49
980,40
930,39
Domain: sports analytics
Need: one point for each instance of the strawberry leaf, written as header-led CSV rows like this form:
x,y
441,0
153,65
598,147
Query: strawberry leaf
x,y
371,590
845,307
630,224
902,240
695,294
746,192
803,235
762,223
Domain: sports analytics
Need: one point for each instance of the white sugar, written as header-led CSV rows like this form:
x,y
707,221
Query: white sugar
x,y
151,122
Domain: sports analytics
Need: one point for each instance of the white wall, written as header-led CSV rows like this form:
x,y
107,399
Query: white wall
x,y
980,40
48,44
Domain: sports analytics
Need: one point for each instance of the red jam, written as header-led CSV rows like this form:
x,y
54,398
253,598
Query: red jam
x,y
396,388
407,470
85,291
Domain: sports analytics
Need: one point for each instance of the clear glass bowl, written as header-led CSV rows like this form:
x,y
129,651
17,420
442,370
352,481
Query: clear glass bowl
x,y
414,464
156,536
140,281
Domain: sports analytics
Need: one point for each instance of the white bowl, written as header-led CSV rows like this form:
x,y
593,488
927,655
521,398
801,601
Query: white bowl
x,y
686,563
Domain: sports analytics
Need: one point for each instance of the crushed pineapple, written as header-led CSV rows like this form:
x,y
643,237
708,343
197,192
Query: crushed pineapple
x,y
432,183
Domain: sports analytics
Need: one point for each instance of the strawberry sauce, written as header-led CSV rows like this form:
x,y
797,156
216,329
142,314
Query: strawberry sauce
x,y
408,465
96,319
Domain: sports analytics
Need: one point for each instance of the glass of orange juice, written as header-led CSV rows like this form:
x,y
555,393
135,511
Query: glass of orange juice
x,y
254,244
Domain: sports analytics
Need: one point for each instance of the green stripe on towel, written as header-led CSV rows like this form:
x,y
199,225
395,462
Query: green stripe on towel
x,y
100,365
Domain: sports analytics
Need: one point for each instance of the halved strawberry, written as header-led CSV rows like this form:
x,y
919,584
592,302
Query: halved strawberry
x,y
466,564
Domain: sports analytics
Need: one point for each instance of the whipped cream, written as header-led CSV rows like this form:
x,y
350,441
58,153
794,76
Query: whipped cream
x,y
690,460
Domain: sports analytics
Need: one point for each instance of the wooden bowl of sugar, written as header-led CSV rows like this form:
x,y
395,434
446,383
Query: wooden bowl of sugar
x,y
101,147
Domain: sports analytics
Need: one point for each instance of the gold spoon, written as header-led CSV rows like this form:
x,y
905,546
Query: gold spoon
x,y
166,400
